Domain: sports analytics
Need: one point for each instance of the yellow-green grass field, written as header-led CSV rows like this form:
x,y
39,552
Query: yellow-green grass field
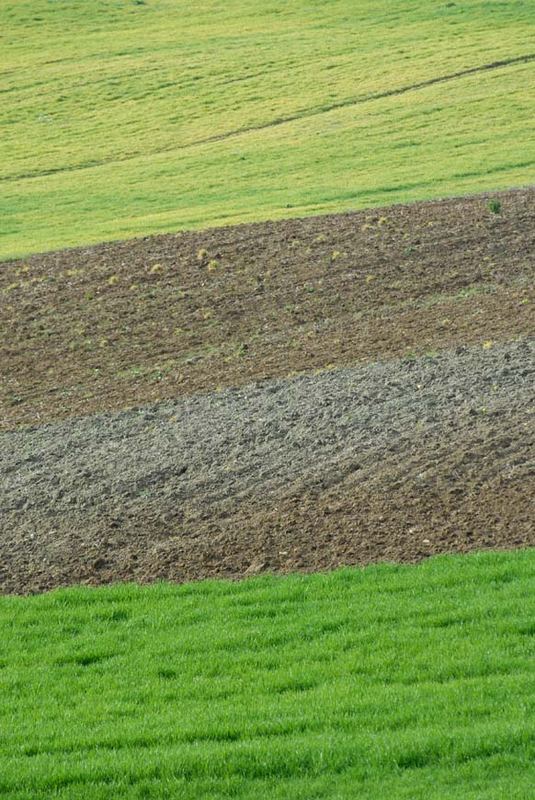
x,y
125,118
413,683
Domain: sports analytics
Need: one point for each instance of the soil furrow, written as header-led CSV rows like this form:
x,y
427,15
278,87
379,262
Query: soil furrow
x,y
152,427
391,460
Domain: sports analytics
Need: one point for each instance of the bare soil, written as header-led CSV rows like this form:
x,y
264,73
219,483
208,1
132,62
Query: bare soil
x,y
267,398
390,461
124,324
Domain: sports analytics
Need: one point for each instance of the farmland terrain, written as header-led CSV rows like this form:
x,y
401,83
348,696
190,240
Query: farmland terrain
x,y
414,682
113,326
390,462
284,396
267,285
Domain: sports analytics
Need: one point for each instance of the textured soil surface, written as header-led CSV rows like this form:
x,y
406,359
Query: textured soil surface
x,y
393,460
407,432
129,323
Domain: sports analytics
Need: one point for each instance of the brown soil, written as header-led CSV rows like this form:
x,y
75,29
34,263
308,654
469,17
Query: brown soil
x,y
403,459
123,324
306,533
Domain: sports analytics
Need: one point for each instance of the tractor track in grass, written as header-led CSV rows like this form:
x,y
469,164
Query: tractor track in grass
x,y
306,113
154,424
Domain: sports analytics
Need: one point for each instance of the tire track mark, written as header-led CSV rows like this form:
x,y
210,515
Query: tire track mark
x,y
304,114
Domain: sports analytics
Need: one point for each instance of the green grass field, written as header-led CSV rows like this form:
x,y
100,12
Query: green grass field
x,y
398,682
131,117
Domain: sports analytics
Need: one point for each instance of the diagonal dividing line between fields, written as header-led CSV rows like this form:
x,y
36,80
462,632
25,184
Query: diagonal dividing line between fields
x,y
303,114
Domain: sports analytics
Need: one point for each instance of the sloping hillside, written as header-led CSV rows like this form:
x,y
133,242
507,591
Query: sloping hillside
x,y
409,434
132,117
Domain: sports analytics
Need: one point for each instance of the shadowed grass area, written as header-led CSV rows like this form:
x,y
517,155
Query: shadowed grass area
x,y
406,682
127,118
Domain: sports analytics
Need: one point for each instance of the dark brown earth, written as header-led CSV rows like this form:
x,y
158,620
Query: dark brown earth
x,y
123,324
425,445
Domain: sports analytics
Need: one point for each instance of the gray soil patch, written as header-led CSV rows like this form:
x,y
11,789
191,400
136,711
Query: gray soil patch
x,y
201,486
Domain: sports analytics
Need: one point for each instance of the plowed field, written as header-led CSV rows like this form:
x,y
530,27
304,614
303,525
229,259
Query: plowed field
x,y
271,397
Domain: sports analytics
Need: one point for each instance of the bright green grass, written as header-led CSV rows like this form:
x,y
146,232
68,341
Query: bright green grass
x,y
388,682
105,107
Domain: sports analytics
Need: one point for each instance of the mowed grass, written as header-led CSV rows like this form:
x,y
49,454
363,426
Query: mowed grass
x,y
391,681
111,112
